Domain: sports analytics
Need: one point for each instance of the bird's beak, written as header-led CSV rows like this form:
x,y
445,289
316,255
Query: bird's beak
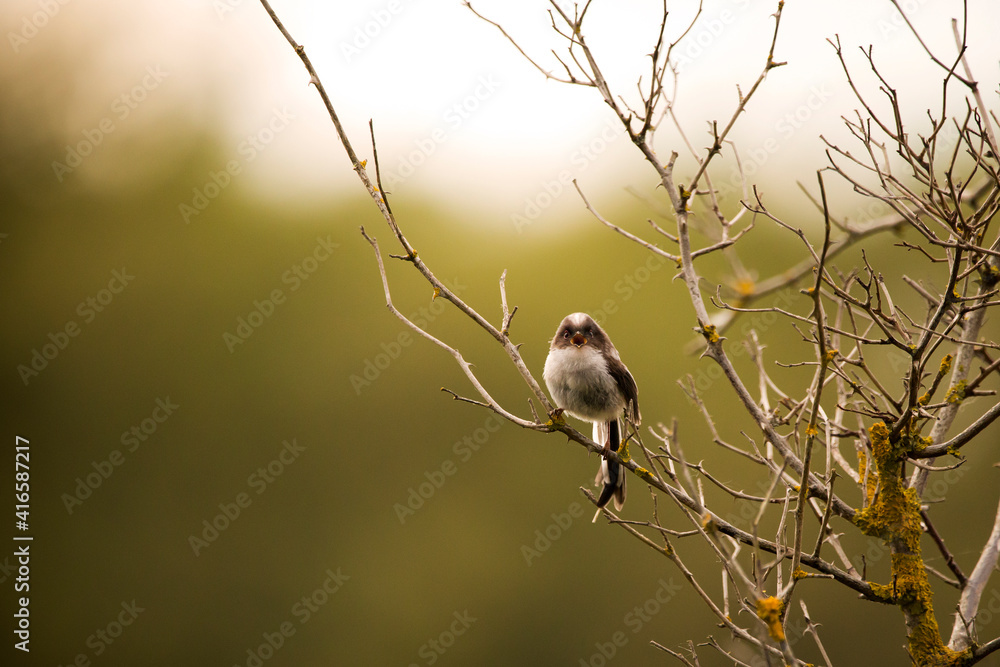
x,y
578,340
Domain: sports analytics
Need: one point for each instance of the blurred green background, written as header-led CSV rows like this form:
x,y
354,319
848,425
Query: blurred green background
x,y
291,453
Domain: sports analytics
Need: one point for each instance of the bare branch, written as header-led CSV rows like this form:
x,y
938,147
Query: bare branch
x,y
972,591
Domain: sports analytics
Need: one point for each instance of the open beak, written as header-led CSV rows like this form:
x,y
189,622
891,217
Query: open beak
x,y
578,340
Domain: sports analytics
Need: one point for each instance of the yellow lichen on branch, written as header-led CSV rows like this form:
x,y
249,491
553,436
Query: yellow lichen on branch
x,y
894,517
770,610
956,394
710,333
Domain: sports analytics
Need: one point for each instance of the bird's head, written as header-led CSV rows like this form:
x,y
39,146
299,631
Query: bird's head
x,y
579,330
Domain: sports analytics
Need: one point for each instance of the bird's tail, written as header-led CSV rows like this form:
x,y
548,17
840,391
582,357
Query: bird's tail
x,y
611,475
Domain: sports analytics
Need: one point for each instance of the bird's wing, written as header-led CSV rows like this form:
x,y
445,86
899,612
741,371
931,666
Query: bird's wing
x,y
626,384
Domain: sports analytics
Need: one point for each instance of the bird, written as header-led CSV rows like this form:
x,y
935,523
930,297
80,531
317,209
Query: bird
x,y
587,379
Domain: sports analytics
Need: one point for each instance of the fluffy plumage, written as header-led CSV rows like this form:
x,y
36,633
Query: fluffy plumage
x,y
587,379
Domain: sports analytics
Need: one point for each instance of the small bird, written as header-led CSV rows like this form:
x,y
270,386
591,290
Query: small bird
x,y
588,380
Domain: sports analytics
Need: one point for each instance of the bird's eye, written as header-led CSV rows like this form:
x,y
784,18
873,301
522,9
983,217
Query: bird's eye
x,y
588,332
565,333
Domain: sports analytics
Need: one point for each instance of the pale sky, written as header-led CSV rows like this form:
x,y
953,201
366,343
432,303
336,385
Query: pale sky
x,y
459,113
